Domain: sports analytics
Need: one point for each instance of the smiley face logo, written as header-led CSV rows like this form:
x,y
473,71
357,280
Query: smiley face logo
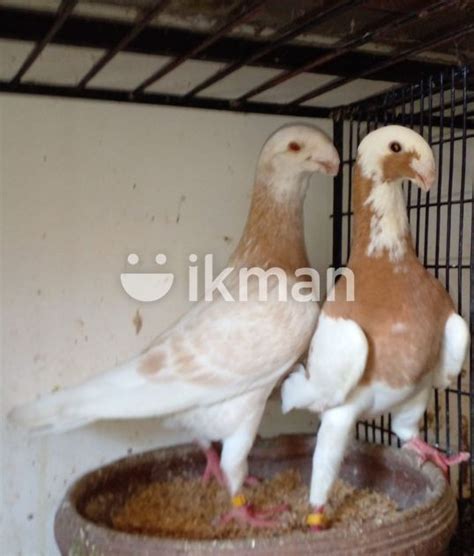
x,y
146,286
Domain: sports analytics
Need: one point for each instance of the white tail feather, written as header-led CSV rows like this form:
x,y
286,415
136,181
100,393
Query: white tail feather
x,y
70,408
121,393
58,412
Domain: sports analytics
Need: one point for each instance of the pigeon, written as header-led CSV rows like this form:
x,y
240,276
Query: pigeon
x,y
399,336
212,372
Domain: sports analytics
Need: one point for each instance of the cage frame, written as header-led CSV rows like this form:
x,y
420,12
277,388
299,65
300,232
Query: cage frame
x,y
368,112
66,28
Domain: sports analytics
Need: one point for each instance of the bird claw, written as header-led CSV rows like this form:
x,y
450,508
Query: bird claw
x,y
429,453
248,515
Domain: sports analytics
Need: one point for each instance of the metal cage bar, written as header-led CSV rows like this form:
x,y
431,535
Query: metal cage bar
x,y
147,18
443,233
244,12
280,37
220,45
451,34
64,11
342,47
439,106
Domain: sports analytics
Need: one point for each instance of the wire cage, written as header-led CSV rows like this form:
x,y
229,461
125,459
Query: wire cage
x,y
442,229
437,102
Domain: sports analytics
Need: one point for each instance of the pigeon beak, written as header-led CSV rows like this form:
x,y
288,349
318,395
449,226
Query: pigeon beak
x,y
327,162
330,167
425,174
333,163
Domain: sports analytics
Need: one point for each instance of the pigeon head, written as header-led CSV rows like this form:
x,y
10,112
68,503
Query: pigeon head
x,y
297,150
394,153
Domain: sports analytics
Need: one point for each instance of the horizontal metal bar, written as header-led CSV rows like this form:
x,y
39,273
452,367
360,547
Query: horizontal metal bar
x,y
454,140
374,426
244,12
460,392
98,33
432,143
424,205
447,266
452,34
458,103
125,41
280,37
397,101
343,47
378,101
65,9
415,119
164,100
378,30
445,141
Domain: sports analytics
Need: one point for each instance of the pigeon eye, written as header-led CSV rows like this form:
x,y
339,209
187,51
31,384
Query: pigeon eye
x,y
395,147
294,146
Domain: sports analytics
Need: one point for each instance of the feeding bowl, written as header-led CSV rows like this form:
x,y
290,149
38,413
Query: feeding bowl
x,y
424,525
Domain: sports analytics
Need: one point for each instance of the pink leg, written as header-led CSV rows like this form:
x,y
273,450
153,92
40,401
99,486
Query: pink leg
x,y
213,467
248,515
252,481
242,511
428,453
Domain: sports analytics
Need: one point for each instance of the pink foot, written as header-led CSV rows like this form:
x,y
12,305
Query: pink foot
x,y
248,515
213,468
252,481
428,453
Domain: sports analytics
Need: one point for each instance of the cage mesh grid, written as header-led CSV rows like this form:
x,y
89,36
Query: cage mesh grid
x,y
438,106
442,229
345,58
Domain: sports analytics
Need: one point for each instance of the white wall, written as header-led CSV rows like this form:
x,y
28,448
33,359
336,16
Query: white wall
x,y
83,185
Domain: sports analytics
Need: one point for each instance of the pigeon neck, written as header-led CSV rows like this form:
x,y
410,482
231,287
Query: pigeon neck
x,y
381,230
273,235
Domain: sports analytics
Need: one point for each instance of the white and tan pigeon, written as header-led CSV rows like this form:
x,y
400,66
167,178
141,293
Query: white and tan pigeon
x,y
399,337
212,372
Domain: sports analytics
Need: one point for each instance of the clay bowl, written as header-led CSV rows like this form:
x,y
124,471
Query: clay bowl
x,y
424,527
